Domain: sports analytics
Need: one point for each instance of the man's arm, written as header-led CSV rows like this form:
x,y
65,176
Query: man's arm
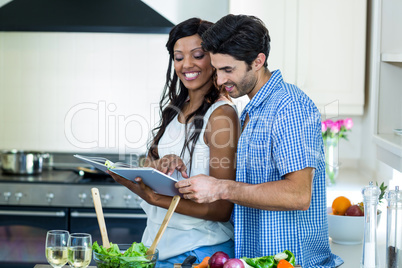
x,y
291,193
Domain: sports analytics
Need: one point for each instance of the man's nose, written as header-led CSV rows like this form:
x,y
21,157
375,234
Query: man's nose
x,y
220,79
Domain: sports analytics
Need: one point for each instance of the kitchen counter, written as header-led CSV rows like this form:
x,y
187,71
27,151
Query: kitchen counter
x,y
49,266
350,183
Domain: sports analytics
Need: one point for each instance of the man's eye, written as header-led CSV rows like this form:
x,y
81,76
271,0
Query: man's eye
x,y
228,71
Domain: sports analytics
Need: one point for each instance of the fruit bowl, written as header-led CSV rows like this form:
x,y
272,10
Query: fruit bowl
x,y
106,261
346,230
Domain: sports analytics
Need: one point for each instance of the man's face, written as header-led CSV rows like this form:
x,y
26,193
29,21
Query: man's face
x,y
235,76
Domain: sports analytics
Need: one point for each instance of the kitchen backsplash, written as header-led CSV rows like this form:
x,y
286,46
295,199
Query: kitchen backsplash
x,y
79,91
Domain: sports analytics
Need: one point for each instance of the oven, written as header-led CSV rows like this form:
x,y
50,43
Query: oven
x,y
23,233
32,205
124,226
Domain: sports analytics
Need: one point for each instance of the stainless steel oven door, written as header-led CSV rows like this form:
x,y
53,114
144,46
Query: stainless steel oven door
x,y
23,233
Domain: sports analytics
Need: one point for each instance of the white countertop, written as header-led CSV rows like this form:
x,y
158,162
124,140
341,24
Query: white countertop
x,y
350,183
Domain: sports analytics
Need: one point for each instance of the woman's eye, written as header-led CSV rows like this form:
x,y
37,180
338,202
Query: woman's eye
x,y
199,56
178,59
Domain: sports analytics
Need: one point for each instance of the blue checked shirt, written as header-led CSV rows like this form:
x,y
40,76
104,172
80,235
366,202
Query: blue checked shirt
x,y
283,135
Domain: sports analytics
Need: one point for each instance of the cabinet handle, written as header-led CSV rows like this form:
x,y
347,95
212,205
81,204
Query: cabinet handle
x,y
60,213
76,214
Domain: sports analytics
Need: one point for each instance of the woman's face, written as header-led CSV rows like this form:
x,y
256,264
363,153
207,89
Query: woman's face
x,y
192,64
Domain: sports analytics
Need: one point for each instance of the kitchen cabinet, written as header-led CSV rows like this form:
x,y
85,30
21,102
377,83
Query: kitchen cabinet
x,y
319,45
386,80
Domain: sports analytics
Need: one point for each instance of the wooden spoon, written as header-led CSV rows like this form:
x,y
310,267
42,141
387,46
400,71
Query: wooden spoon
x,y
165,222
99,215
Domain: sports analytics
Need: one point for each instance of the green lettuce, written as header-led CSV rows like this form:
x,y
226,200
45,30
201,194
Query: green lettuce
x,y
134,256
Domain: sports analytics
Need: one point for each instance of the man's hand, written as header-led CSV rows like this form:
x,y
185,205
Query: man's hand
x,y
200,188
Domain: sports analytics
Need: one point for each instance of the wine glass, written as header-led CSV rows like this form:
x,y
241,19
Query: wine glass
x,y
56,247
79,250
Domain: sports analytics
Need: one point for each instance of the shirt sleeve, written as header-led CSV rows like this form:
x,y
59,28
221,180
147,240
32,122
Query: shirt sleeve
x,y
297,140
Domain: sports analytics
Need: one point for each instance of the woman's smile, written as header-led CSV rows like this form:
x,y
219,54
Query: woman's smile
x,y
191,75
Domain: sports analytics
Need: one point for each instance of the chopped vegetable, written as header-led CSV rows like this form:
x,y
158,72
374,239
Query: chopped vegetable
x,y
290,257
204,263
280,256
284,264
261,262
134,256
271,261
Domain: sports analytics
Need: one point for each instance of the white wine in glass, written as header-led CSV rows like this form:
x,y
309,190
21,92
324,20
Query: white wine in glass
x,y
56,247
79,250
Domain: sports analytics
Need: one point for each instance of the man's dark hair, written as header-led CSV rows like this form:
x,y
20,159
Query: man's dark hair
x,y
240,36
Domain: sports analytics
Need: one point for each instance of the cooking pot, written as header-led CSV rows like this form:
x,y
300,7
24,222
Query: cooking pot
x,y
22,162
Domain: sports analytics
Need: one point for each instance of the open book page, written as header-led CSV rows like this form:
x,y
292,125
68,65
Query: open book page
x,y
156,180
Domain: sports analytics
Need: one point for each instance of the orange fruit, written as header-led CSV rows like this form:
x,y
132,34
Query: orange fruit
x,y
340,205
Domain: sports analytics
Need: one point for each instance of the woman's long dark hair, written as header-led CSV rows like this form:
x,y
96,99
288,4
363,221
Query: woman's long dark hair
x,y
175,93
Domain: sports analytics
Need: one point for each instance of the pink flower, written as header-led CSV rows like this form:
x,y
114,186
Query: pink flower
x,y
336,127
348,123
329,123
323,126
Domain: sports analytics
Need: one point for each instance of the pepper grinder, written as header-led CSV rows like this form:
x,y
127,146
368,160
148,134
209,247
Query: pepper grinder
x,y
394,229
371,195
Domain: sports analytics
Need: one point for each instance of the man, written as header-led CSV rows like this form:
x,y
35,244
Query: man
x,y
279,192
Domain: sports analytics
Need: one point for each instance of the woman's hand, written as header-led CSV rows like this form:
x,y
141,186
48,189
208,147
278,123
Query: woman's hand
x,y
168,164
138,187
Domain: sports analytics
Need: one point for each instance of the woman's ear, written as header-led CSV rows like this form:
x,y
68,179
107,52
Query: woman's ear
x,y
259,61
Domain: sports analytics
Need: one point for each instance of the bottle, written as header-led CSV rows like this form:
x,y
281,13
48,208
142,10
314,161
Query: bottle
x,y
371,195
394,229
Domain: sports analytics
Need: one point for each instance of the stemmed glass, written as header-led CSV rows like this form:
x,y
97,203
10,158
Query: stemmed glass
x,y
79,250
56,247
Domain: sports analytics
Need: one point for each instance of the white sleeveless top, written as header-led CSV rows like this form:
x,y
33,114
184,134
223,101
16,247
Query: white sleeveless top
x,y
185,233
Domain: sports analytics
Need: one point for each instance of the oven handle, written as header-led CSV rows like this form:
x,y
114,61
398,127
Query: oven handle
x,y
28,213
76,214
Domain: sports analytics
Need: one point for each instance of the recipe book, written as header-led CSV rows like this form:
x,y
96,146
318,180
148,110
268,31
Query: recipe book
x,y
156,180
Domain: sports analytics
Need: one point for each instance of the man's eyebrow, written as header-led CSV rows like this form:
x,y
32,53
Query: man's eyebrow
x,y
226,68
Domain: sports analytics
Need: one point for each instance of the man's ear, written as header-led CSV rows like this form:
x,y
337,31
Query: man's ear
x,y
259,61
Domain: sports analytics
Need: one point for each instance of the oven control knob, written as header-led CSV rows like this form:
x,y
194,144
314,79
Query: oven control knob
x,y
6,196
127,198
82,197
18,196
49,197
105,198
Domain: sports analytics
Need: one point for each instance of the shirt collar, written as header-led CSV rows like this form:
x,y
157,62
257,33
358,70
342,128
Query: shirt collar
x,y
262,94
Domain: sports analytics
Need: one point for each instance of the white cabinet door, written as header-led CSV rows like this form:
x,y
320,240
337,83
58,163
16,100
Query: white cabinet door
x,y
331,54
319,45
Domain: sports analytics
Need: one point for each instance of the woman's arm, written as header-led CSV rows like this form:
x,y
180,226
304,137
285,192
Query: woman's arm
x,y
221,135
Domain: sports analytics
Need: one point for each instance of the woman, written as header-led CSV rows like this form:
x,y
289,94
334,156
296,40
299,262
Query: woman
x,y
198,134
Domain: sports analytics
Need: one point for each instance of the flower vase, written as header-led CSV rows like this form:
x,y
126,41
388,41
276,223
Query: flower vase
x,y
331,160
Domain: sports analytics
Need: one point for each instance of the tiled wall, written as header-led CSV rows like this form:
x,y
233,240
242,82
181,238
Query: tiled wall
x,y
79,91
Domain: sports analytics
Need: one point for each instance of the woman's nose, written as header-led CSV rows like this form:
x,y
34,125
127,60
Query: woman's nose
x,y
187,62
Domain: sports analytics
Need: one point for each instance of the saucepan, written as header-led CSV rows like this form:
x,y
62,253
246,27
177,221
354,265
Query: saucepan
x,y
21,162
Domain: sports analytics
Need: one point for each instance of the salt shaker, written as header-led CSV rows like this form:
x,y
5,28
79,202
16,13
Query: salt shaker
x,y
394,229
371,195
